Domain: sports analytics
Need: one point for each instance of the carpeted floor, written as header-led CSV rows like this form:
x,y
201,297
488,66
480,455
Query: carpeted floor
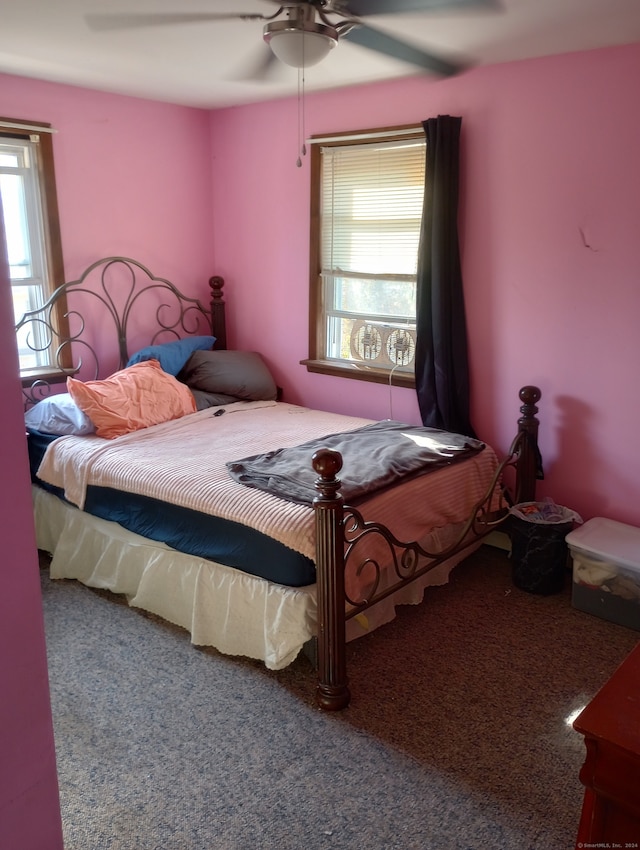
x,y
456,739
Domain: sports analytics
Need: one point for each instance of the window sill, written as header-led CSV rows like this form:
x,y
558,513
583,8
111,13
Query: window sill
x,y
51,375
360,373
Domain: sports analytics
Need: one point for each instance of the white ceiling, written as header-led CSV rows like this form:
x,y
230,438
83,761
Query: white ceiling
x,y
202,64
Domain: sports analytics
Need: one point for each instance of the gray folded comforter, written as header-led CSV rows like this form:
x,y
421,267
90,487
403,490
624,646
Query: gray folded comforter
x,y
374,457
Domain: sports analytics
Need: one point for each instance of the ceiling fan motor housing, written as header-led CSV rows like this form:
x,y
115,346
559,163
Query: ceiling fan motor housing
x,y
298,39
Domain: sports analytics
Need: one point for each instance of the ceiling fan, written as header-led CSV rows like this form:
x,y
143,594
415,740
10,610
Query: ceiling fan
x,y
302,33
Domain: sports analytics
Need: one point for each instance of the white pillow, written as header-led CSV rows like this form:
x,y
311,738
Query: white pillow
x,y
59,415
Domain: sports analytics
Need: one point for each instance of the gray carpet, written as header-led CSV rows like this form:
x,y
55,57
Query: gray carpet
x,y
455,740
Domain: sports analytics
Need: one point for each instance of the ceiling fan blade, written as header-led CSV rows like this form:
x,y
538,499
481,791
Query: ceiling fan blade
x,y
367,36
259,68
362,8
106,22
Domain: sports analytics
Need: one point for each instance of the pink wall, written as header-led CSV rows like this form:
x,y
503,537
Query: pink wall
x,y
549,152
133,177
29,808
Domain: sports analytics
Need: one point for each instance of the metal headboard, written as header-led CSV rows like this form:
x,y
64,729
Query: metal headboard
x,y
113,296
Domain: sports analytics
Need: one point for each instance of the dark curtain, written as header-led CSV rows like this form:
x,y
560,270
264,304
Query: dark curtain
x,y
442,367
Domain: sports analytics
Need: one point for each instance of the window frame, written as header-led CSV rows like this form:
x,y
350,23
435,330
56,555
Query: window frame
x,y
14,128
316,362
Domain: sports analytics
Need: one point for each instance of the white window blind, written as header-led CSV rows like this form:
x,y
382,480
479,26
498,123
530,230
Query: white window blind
x,y
371,211
372,198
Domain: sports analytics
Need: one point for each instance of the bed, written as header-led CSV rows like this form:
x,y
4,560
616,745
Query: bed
x,y
173,512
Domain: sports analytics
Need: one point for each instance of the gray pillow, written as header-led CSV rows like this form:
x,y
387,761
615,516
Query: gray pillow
x,y
206,400
241,374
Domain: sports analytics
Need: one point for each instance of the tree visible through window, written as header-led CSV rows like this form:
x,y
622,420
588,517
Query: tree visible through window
x,y
29,206
367,197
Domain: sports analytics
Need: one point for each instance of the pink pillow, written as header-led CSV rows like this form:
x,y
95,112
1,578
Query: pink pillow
x,y
133,398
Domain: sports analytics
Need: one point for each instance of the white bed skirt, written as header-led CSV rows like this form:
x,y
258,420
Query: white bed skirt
x,y
219,606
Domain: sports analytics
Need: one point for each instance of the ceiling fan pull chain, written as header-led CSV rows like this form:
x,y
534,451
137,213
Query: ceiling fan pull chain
x,y
299,160
303,130
301,123
304,147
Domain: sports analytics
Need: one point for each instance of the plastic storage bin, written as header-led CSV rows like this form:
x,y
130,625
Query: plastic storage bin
x,y
606,570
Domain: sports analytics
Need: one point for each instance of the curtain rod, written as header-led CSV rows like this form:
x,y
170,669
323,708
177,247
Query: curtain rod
x,y
15,125
374,134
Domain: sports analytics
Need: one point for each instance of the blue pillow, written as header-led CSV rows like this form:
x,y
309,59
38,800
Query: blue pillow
x,y
173,355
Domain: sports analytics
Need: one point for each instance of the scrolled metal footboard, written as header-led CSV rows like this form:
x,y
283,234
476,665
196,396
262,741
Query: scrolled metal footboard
x,y
342,533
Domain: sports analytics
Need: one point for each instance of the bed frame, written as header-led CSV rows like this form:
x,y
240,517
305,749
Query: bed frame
x,y
340,529
121,291
124,288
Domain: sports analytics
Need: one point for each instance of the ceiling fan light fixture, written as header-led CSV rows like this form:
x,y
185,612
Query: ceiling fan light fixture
x,y
300,44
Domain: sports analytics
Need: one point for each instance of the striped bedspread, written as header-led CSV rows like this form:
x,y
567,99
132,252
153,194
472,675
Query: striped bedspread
x,y
183,462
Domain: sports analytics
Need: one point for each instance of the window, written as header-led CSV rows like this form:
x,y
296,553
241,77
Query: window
x,y
367,197
29,206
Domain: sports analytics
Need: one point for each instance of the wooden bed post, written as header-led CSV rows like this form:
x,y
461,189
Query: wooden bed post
x,y
332,692
218,323
529,459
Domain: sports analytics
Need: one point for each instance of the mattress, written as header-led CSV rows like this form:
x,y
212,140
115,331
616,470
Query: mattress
x,y
169,483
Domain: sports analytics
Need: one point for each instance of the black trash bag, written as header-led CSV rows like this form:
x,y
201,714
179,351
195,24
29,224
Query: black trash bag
x,y
539,550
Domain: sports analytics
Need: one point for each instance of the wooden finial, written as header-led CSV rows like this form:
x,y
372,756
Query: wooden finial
x,y
327,463
216,284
